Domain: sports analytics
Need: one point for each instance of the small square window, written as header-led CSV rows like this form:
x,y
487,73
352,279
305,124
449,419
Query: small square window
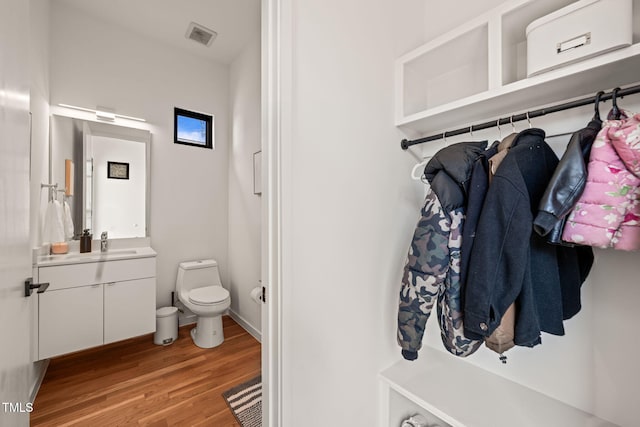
x,y
191,128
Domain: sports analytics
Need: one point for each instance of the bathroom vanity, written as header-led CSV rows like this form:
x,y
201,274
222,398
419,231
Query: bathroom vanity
x,y
94,298
97,298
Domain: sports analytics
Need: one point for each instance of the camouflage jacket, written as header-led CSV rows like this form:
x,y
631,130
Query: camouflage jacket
x,y
432,272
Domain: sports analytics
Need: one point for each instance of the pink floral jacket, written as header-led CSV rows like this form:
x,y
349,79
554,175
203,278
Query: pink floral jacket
x,y
608,212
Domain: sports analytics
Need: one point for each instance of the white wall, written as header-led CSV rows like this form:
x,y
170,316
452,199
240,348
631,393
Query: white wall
x,y
98,64
244,206
441,17
348,207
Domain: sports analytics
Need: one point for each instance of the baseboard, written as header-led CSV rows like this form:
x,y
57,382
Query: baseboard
x,y
41,369
246,325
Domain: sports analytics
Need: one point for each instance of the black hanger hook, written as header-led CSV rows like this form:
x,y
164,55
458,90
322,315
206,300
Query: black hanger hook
x,y
615,111
596,105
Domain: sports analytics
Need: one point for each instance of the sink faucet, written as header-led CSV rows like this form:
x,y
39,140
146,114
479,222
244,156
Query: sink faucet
x,y
104,243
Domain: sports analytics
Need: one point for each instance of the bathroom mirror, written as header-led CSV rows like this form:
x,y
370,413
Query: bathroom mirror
x,y
104,169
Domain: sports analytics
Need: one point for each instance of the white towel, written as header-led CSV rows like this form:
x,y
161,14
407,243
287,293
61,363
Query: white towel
x,y
68,222
53,228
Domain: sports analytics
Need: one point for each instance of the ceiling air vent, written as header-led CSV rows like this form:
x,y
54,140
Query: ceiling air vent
x,y
200,34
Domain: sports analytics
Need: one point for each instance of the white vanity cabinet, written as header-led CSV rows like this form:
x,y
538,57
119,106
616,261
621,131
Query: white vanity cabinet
x,y
92,301
129,309
69,320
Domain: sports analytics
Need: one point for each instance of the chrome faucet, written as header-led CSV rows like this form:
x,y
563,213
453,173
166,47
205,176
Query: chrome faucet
x,y
104,243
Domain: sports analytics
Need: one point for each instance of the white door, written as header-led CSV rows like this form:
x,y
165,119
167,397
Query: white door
x,y
15,260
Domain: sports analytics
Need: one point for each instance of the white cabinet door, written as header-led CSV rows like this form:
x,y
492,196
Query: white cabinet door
x,y
129,309
69,320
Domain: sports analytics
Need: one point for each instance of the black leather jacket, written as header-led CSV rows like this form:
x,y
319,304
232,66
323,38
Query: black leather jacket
x,y
566,184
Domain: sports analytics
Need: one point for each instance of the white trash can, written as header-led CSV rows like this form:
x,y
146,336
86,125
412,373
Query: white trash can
x,y
166,326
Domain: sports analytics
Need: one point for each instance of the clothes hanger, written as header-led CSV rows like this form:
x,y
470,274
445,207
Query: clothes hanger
x,y
417,167
615,111
596,106
508,140
596,116
503,148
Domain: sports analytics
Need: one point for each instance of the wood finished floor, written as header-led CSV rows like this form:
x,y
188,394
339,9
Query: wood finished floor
x,y
136,382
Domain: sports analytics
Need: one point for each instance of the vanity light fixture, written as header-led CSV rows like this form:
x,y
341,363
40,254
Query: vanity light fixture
x,y
102,113
106,114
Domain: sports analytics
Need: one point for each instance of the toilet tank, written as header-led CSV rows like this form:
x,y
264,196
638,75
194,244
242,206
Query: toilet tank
x,y
196,274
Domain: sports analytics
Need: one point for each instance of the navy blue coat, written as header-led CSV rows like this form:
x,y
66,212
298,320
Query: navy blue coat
x,y
509,262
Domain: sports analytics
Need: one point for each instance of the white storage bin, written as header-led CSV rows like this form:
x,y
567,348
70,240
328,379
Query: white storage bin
x,y
576,32
166,326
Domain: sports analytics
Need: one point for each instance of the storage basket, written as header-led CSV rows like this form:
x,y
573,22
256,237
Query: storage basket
x,y
576,32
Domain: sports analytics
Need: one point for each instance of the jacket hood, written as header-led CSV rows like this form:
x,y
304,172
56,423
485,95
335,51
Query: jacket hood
x,y
626,142
456,160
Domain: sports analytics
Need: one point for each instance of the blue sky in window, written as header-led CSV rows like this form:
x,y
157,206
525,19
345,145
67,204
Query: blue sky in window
x,y
192,130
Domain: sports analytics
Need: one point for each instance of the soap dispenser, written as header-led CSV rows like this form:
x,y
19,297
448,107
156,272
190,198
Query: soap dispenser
x,y
85,241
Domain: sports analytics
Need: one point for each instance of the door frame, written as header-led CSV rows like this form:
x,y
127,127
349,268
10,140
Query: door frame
x,y
276,133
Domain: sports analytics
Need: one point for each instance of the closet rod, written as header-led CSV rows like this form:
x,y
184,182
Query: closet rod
x,y
405,143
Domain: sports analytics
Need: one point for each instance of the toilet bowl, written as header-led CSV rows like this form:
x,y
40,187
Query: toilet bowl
x,y
199,288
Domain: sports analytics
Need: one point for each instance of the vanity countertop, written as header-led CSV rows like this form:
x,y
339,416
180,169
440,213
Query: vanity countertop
x,y
95,256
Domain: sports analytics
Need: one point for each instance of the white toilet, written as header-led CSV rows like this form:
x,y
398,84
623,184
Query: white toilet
x,y
200,290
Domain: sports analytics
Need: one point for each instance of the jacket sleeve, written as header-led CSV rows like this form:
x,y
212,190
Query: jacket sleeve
x,y
498,263
567,182
424,275
450,314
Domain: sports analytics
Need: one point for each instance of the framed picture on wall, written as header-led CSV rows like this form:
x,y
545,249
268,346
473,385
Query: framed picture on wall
x,y
191,128
117,170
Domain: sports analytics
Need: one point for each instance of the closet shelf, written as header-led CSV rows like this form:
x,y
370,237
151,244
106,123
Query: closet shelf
x,y
464,395
617,68
477,71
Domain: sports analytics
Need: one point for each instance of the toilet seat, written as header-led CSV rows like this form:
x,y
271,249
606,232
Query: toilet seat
x,y
208,295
